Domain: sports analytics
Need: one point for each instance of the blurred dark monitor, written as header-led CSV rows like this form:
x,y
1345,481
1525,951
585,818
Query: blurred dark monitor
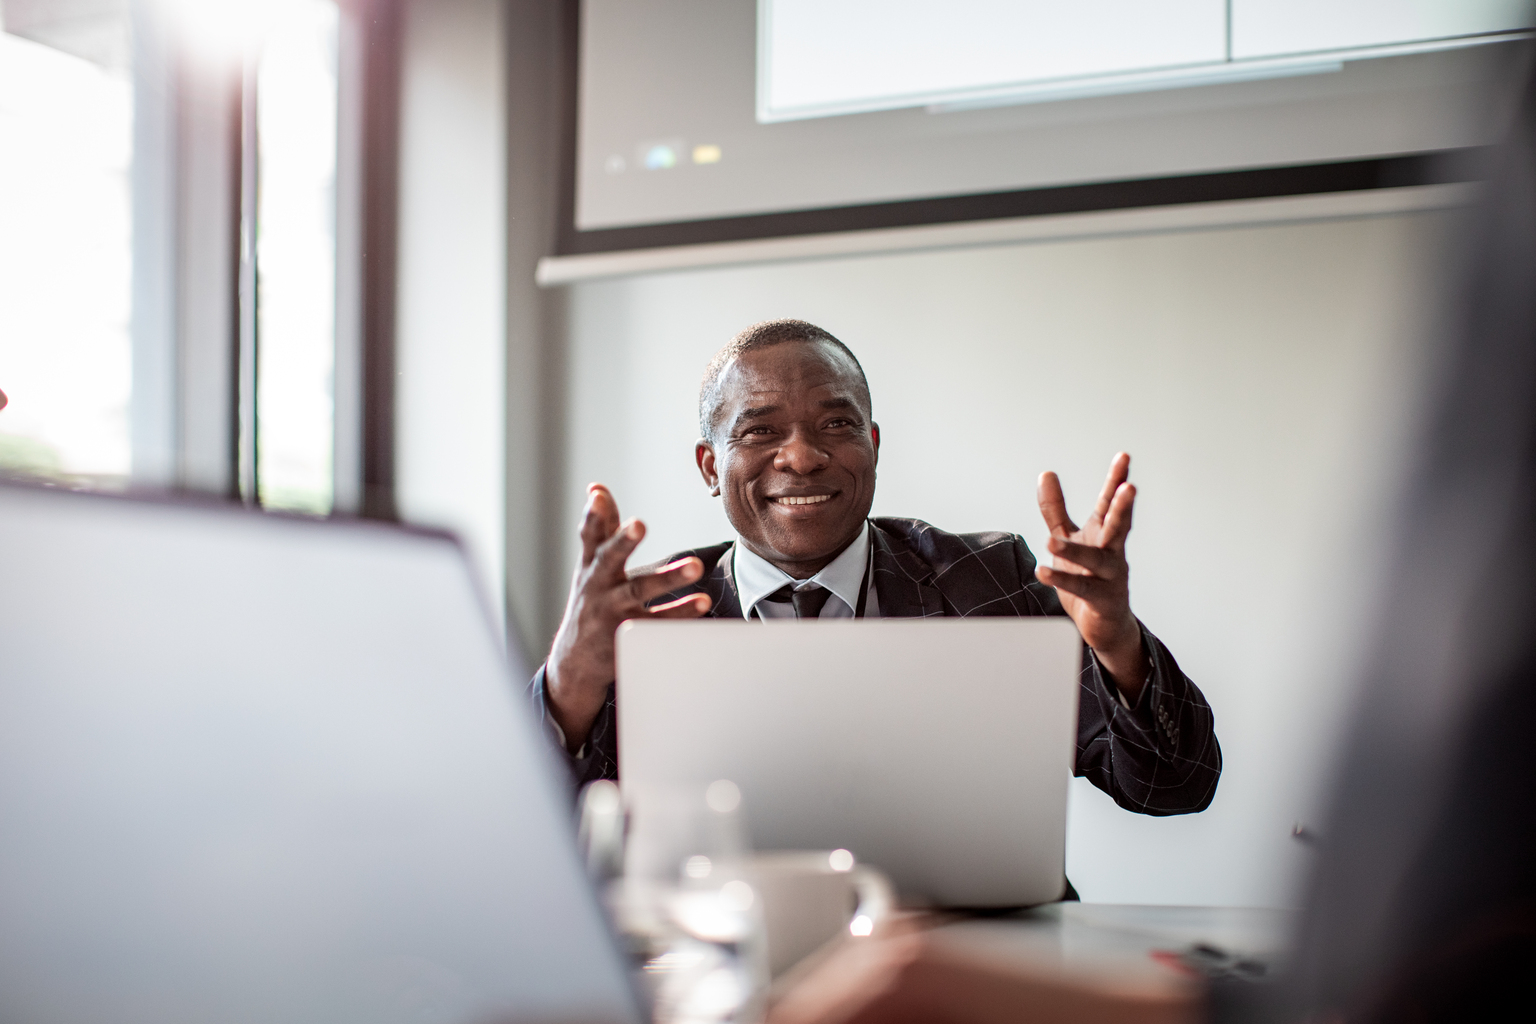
x,y
266,769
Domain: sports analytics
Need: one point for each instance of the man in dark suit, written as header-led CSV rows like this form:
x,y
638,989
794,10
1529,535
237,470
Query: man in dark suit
x,y
790,446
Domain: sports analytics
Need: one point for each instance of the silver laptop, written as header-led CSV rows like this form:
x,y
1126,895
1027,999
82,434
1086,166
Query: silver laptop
x,y
937,750
264,769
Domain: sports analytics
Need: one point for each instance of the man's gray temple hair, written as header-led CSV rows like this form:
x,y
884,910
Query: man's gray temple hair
x,y
763,335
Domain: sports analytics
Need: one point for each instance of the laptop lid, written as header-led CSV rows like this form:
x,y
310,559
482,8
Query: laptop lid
x,y
256,768
938,750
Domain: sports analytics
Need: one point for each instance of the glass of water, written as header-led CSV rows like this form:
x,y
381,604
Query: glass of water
x,y
687,907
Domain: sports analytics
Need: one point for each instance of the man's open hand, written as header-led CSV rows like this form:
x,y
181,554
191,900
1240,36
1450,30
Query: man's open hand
x,y
581,662
1090,574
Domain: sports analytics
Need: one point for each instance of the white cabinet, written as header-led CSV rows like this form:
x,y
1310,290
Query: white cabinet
x,y
827,56
822,57
1272,28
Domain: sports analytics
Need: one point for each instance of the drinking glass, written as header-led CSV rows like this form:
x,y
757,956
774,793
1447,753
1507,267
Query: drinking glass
x,y
686,905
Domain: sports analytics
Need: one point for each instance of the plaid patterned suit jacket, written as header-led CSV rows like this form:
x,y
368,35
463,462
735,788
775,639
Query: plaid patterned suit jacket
x,y
1158,756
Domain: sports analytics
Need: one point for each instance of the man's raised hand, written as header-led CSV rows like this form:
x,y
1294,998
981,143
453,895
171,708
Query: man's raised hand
x,y
1091,576
581,662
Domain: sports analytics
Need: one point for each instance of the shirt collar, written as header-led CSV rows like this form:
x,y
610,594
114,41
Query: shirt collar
x,y
756,577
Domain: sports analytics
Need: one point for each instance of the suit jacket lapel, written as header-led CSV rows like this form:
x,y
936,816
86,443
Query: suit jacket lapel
x,y
903,581
721,587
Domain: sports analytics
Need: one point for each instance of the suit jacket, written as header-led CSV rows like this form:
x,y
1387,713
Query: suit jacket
x,y
1159,756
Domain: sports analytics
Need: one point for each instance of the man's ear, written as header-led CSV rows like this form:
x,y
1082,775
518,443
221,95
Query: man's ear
x,y
874,435
704,455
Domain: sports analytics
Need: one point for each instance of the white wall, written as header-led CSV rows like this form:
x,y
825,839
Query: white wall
x,y
450,333
1260,378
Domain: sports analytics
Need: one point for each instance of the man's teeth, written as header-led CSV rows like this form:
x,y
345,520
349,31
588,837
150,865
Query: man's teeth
x,y
814,499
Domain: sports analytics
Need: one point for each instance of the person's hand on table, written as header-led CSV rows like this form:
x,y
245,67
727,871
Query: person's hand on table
x,y
907,973
581,661
1090,574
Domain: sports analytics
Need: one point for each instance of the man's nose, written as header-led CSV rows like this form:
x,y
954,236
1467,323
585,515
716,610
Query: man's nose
x,y
800,454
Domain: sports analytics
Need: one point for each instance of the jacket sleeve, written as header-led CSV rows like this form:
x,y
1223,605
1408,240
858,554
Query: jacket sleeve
x,y
1157,756
599,758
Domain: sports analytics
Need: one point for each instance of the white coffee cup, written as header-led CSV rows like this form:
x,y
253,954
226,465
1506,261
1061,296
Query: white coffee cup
x,y
810,897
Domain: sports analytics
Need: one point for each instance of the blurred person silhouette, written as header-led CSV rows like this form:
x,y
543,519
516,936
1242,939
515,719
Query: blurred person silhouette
x,y
3,400
1423,905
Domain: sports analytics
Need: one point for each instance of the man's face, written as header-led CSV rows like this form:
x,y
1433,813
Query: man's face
x,y
794,453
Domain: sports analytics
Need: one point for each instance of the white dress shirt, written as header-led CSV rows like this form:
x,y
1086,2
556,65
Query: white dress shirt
x,y
844,576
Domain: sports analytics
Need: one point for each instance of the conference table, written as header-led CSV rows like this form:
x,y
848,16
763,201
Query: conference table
x,y
1062,961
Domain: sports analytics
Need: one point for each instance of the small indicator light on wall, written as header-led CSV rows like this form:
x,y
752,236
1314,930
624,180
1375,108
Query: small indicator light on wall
x,y
659,158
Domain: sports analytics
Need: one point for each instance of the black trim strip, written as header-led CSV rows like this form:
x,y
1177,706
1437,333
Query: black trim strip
x,y
382,28
1433,168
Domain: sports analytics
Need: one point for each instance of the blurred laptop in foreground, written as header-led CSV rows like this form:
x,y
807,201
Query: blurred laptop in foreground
x,y
260,769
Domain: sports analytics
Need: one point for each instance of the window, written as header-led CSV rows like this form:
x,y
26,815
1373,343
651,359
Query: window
x,y
68,351
66,141
296,89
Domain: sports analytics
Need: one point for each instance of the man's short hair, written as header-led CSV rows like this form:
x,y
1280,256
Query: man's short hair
x,y
763,335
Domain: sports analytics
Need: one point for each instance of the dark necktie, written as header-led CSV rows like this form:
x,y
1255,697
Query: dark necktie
x,y
808,602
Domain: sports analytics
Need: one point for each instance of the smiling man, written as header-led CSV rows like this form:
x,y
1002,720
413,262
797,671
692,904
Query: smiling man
x,y
789,444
